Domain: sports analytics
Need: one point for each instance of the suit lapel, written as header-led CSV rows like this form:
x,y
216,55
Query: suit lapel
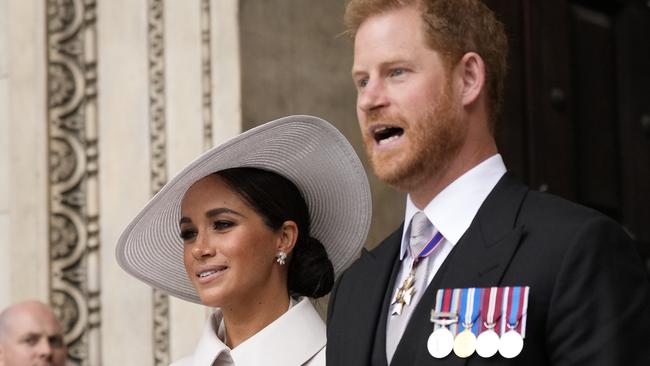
x,y
479,259
482,255
376,267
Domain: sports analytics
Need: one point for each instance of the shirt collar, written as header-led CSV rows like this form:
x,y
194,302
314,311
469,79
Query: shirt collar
x,y
301,327
453,209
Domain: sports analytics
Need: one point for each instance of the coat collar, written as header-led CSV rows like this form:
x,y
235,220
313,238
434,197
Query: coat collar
x,y
292,339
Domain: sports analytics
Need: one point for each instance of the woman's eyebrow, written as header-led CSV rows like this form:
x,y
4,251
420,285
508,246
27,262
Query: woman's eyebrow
x,y
220,210
211,213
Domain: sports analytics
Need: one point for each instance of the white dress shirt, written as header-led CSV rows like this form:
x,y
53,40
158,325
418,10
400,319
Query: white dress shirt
x,y
451,212
296,338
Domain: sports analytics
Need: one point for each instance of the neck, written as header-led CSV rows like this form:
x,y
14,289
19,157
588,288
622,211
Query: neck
x,y
246,318
464,161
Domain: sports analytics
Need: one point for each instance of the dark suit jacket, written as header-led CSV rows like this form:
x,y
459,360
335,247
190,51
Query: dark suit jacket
x,y
589,301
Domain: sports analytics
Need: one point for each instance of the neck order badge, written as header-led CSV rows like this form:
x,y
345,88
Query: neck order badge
x,y
496,314
406,291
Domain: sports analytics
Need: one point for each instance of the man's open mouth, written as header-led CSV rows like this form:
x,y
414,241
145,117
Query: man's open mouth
x,y
386,134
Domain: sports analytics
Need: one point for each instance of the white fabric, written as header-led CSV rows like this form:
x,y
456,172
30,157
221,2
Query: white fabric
x,y
296,338
451,212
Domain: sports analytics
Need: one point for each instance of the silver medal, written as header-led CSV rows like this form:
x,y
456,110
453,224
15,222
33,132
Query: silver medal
x,y
440,342
487,343
511,344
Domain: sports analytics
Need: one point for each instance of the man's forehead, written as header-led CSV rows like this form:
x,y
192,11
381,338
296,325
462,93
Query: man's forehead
x,y
27,321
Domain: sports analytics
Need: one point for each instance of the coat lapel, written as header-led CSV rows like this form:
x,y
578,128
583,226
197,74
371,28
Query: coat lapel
x,y
357,323
479,259
482,255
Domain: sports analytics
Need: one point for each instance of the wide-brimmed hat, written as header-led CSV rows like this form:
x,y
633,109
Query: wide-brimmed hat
x,y
307,150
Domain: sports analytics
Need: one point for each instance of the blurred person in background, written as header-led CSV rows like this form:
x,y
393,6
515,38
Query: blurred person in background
x,y
30,335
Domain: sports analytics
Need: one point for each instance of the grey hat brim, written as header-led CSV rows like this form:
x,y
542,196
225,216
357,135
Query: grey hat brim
x,y
307,150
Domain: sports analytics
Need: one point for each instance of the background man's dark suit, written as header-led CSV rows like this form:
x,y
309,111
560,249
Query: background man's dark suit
x,y
589,292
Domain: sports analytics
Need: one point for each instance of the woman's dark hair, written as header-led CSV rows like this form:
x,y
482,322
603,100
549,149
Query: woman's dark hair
x,y
277,200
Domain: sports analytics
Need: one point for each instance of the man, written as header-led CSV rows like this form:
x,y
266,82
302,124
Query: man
x,y
548,282
30,335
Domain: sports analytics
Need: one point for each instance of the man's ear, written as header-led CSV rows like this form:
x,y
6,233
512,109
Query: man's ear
x,y
472,73
288,237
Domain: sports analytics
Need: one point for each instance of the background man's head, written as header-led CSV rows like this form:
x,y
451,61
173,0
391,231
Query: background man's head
x,y
30,335
453,28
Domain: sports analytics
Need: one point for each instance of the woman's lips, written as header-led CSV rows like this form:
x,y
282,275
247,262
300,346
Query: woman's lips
x,y
209,274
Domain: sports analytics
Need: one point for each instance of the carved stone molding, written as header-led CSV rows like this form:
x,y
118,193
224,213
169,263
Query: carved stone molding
x,y
158,161
206,74
73,181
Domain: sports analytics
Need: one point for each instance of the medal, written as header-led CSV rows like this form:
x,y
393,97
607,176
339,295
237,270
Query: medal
x,y
404,294
497,314
487,343
406,291
512,342
465,341
441,340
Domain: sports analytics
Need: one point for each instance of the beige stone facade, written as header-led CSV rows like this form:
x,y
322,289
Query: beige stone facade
x,y
101,101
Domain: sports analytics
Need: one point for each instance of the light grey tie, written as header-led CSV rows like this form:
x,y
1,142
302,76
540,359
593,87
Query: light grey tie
x,y
421,230
421,233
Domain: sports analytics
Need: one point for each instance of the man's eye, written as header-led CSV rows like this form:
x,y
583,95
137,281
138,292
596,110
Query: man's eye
x,y
188,234
31,340
397,72
361,83
56,341
222,225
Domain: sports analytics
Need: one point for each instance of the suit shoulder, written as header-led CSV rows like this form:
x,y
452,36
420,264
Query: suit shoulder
x,y
550,210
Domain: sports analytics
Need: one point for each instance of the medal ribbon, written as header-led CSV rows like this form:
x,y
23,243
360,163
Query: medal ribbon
x,y
455,302
442,316
524,311
513,314
428,249
469,307
515,309
491,300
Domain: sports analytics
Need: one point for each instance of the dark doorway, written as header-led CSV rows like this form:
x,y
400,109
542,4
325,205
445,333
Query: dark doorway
x,y
577,116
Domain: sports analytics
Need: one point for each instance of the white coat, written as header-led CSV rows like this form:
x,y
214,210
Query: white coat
x,y
296,338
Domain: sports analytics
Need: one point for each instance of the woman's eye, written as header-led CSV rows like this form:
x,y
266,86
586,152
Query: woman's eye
x,y
188,234
222,225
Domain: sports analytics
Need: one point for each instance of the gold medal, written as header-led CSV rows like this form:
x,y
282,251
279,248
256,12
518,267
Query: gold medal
x,y
465,343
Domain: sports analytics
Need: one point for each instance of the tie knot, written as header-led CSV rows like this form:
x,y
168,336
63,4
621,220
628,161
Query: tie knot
x,y
421,230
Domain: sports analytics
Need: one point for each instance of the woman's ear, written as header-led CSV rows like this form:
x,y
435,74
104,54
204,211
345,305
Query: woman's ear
x,y
472,72
288,236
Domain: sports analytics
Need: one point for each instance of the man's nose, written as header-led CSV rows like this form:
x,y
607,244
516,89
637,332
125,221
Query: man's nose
x,y
372,97
44,349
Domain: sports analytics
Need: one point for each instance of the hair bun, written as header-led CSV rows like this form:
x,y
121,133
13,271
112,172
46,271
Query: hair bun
x,y
310,271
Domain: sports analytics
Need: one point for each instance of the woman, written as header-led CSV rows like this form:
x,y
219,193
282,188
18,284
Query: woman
x,y
254,228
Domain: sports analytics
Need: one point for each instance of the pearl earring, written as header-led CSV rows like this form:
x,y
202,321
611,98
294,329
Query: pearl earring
x,y
281,257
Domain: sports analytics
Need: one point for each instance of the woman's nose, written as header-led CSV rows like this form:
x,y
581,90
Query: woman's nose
x,y
203,248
